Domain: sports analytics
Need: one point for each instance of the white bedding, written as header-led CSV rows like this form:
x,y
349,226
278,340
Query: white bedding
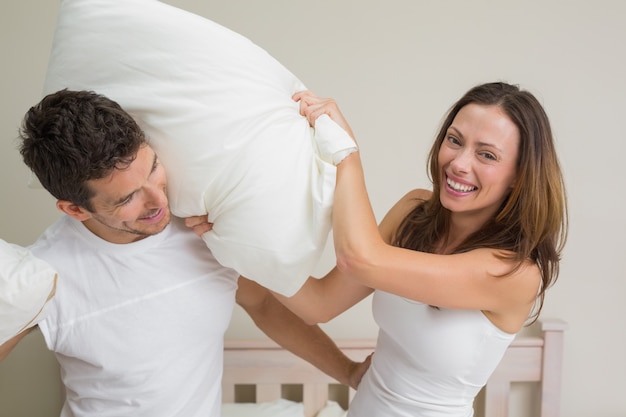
x,y
26,284
278,408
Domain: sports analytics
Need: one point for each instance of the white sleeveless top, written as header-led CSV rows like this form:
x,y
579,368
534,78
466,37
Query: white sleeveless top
x,y
429,362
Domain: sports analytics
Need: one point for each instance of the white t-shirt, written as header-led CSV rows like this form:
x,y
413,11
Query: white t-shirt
x,y
137,328
429,362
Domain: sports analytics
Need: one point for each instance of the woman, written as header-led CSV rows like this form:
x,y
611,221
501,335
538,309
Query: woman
x,y
456,271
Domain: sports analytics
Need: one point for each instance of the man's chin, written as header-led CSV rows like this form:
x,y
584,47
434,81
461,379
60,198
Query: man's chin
x,y
159,227
146,230
169,219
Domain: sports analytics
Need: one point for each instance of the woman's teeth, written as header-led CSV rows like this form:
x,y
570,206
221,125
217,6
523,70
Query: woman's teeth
x,y
460,187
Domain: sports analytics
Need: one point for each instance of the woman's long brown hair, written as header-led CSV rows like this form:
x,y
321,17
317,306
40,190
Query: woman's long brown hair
x,y
532,221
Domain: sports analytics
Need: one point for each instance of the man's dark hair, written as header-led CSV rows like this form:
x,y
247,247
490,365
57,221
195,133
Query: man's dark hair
x,y
71,137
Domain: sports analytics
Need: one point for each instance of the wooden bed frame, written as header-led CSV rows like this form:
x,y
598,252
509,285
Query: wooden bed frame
x,y
270,369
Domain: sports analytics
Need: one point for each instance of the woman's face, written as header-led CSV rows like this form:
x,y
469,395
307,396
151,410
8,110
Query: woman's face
x,y
478,161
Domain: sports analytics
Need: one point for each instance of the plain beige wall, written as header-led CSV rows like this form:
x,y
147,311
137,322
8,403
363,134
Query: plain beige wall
x,y
395,67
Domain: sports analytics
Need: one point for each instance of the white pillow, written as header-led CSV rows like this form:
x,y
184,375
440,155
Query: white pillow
x,y
26,284
218,111
278,408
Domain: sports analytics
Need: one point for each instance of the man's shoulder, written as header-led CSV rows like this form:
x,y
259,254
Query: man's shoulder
x,y
59,241
57,231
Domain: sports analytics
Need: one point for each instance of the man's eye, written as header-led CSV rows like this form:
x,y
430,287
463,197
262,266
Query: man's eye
x,y
127,200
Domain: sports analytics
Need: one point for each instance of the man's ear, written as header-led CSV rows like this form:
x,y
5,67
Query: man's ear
x,y
72,210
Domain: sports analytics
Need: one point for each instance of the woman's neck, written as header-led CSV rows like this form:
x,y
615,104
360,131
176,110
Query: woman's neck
x,y
459,229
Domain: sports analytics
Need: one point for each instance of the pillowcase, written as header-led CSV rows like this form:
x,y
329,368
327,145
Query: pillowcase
x,y
278,408
218,111
26,284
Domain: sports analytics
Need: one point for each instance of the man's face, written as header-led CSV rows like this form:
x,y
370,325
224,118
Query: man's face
x,y
131,203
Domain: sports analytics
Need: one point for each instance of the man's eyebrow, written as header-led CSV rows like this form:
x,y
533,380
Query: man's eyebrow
x,y
155,163
123,198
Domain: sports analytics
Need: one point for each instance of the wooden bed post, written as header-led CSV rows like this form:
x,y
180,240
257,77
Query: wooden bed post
x,y
552,368
537,359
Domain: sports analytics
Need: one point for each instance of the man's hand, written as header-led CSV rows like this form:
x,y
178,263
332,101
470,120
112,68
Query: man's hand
x,y
358,370
199,224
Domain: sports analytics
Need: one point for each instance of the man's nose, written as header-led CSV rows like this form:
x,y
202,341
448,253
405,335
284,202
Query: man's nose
x,y
157,196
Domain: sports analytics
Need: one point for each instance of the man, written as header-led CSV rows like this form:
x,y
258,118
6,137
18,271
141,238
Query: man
x,y
141,307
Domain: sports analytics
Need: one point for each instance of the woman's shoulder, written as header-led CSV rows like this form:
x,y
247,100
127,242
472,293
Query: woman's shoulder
x,y
411,200
417,195
401,209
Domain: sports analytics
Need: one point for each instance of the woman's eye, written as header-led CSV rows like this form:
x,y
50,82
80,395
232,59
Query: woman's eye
x,y
488,155
454,140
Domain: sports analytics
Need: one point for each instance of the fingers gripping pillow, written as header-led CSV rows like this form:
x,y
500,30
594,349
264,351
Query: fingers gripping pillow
x,y
218,111
26,284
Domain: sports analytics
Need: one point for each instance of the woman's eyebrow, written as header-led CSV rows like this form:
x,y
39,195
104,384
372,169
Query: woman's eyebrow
x,y
479,143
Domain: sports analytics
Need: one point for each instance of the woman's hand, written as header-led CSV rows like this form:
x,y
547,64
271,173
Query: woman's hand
x,y
199,224
312,107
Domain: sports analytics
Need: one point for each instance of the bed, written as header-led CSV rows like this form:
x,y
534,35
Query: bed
x,y
261,378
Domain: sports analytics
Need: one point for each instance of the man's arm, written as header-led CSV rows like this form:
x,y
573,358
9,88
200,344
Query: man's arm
x,y
288,330
8,346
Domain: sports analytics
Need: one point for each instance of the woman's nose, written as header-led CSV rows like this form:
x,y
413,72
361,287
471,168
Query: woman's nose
x,y
462,161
